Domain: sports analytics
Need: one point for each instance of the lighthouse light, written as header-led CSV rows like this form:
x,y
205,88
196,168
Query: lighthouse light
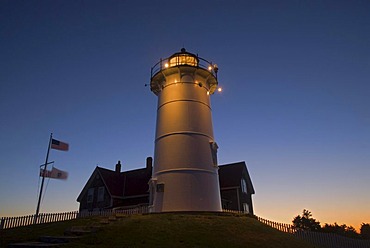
x,y
183,59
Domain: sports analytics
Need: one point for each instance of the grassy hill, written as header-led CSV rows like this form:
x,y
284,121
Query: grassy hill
x,y
164,230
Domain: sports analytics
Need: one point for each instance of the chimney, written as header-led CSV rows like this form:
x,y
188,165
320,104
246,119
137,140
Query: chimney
x,y
118,167
149,162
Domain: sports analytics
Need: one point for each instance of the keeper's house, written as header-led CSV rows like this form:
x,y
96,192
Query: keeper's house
x,y
113,189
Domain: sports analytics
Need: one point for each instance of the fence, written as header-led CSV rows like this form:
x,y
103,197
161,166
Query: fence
x,y
279,226
232,211
331,240
11,222
325,240
129,211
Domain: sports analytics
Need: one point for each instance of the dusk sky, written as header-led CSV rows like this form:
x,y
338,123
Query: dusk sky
x,y
295,103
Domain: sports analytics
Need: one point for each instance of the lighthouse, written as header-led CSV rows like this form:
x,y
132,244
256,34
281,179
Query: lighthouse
x,y
185,170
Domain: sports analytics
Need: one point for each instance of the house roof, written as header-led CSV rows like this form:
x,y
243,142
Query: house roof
x,y
136,182
231,174
121,184
127,183
113,181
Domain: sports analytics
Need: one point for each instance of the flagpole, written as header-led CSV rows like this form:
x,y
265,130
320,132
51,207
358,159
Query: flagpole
x,y
43,179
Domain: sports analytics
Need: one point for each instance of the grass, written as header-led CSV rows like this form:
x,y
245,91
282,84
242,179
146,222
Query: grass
x,y
166,230
32,233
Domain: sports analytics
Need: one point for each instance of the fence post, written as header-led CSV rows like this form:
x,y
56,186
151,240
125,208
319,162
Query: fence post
x,y
2,223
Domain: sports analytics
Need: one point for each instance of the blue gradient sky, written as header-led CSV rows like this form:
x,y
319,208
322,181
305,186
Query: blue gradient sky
x,y
295,104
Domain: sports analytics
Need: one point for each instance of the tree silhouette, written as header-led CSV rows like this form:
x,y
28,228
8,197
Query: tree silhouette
x,y
365,231
343,230
306,222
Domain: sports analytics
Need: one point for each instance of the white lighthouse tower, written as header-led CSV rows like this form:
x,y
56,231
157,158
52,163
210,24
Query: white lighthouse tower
x,y
185,170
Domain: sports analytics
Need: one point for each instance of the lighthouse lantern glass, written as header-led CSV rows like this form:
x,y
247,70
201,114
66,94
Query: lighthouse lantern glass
x,y
183,59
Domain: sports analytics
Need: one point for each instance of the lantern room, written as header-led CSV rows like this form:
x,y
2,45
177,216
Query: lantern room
x,y
185,62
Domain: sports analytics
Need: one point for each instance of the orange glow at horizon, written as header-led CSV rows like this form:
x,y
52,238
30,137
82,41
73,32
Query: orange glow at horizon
x,y
323,212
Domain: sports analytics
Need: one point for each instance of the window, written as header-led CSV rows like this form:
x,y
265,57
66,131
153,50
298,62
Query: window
x,y
100,194
160,187
246,208
90,195
244,185
214,148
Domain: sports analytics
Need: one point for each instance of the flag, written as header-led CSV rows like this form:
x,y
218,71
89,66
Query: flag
x,y
54,173
59,174
59,145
